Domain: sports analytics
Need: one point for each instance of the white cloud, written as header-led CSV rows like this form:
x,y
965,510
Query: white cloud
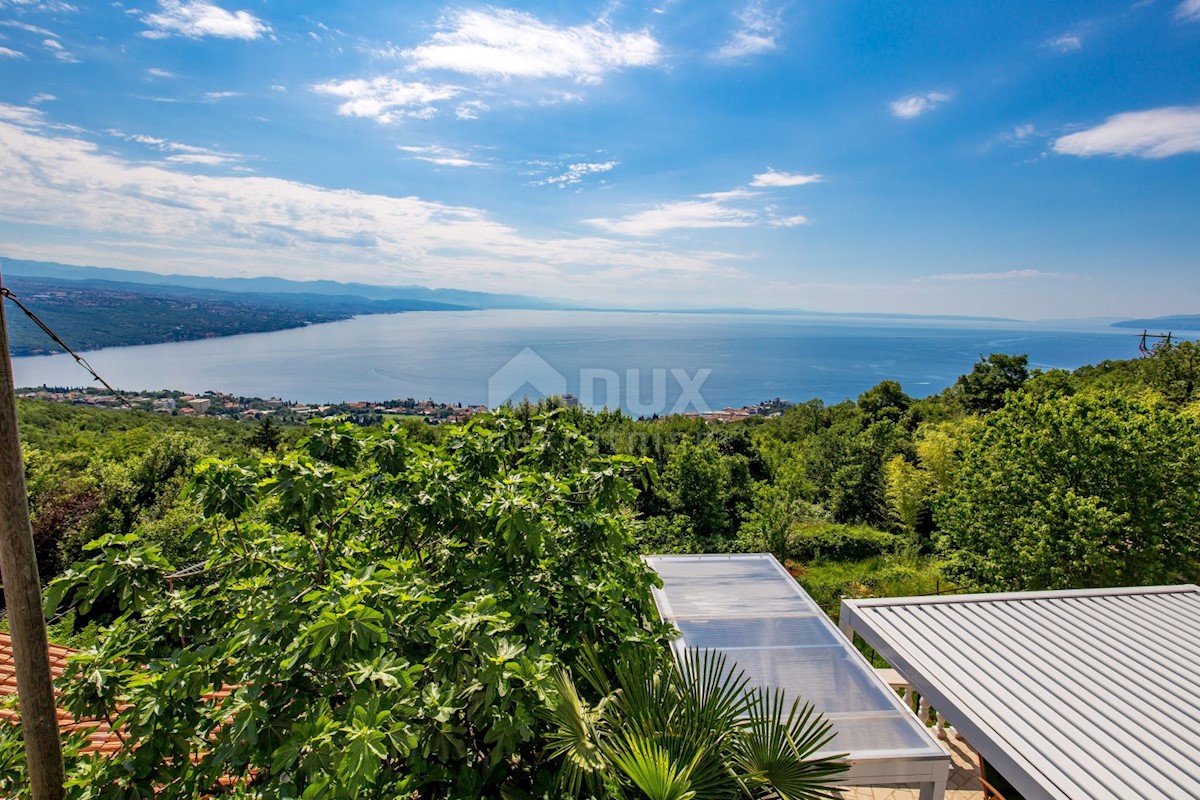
x,y
682,214
60,52
1014,137
11,23
442,156
212,97
181,153
203,159
43,6
1067,43
470,109
277,87
733,208
8,52
914,105
39,6
387,51
771,178
575,173
502,43
758,32
553,97
707,211
151,213
41,98
1188,11
23,116
199,18
739,193
160,73
1157,133
1010,275
386,99
494,46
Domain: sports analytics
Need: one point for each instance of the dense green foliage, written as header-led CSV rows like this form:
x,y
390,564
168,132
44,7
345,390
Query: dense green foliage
x,y
1091,490
401,609
385,616
380,617
95,472
885,474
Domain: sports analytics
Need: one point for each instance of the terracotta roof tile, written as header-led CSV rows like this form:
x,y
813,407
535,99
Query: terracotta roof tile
x,y
101,739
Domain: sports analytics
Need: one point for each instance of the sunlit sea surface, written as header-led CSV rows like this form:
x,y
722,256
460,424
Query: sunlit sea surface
x,y
450,356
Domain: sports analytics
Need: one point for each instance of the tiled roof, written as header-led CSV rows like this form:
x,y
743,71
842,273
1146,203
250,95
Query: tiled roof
x,y
101,739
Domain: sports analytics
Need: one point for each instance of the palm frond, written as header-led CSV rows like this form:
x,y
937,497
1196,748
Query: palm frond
x,y
575,737
777,751
652,770
648,698
716,690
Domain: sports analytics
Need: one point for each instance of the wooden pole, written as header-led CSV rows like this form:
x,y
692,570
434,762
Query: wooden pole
x,y
23,597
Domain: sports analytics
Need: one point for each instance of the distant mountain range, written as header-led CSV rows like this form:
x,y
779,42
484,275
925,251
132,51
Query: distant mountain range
x,y
277,286
94,314
96,307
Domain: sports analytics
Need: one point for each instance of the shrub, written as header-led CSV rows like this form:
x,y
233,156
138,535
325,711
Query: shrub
x,y
842,542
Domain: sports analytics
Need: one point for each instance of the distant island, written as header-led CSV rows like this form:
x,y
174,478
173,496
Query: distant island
x,y
1186,322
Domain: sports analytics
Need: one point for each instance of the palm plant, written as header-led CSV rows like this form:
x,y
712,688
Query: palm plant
x,y
689,730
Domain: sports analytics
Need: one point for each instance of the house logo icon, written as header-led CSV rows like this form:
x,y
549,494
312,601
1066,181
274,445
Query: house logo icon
x,y
525,375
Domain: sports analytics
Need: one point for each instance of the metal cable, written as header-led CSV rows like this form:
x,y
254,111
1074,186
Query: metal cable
x,y
6,292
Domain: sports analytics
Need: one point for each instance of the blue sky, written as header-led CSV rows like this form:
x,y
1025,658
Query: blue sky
x,y
1029,160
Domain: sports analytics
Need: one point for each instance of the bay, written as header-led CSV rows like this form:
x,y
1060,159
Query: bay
x,y
450,356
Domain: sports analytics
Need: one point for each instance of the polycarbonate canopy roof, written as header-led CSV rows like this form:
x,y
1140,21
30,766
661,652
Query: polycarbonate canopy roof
x,y
749,608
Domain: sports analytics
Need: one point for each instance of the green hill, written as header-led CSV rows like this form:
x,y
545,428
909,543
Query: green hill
x,y
92,314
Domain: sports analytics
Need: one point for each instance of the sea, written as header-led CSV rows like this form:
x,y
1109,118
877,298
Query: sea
x,y
646,363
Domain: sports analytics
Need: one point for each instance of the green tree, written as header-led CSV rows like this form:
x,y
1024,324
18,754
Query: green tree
x,y
1076,491
383,617
1174,370
884,401
854,486
986,385
267,436
695,484
774,518
939,448
907,490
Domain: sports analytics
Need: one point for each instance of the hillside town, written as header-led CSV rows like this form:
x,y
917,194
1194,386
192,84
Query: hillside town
x,y
221,404
229,406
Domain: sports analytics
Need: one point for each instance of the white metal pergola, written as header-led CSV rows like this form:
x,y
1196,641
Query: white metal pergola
x,y
749,608
1070,695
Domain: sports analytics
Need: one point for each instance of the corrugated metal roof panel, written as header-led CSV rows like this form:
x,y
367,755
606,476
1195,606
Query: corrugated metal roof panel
x,y
1075,695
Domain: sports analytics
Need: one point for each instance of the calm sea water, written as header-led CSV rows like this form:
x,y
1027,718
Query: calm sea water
x,y
449,356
